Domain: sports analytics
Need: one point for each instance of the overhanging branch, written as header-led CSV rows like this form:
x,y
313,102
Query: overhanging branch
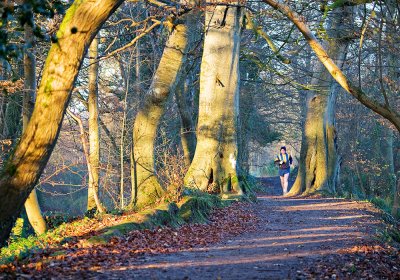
x,y
333,69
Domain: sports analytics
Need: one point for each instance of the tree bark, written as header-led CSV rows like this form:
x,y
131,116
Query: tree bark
x,y
78,28
94,135
393,15
318,155
396,202
215,159
32,206
188,128
78,120
165,80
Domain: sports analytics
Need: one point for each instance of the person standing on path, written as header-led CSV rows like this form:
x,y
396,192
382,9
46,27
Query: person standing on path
x,y
284,161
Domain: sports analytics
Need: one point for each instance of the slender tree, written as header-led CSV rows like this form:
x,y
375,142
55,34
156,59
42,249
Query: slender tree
x,y
94,136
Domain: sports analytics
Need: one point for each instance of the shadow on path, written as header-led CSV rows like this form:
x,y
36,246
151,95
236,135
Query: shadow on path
x,y
292,233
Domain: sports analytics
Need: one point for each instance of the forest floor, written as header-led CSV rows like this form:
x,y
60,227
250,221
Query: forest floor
x,y
275,238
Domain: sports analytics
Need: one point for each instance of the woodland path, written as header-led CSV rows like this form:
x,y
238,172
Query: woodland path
x,y
292,234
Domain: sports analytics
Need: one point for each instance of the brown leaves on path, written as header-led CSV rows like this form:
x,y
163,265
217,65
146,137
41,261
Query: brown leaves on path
x,y
71,260
358,262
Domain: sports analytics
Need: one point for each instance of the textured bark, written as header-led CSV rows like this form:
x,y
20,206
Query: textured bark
x,y
78,28
94,136
188,128
32,206
215,159
318,155
165,80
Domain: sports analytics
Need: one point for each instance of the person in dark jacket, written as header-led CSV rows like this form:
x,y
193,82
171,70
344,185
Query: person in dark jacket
x,y
284,161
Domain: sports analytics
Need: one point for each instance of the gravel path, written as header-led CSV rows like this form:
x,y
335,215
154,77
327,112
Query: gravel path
x,y
292,234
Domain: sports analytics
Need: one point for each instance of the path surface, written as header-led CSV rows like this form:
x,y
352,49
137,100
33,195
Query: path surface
x,y
292,234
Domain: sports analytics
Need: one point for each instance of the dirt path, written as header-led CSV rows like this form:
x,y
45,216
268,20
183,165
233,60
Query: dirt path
x,y
292,234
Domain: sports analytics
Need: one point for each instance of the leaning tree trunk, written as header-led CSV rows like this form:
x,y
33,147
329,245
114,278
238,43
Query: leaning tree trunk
x,y
22,171
32,206
215,159
318,164
167,76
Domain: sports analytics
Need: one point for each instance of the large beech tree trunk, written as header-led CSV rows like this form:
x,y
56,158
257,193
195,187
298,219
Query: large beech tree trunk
x,y
318,155
165,80
22,171
215,159
32,206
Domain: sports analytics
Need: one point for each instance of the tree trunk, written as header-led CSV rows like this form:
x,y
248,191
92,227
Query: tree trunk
x,y
396,202
12,116
32,206
165,80
393,15
318,155
138,80
22,171
188,129
78,120
215,159
389,168
94,135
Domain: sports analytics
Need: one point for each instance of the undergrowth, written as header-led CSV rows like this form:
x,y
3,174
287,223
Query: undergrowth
x,y
19,248
194,207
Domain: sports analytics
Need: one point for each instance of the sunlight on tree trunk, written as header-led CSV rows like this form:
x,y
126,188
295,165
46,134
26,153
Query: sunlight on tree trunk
x,y
165,80
215,159
94,135
78,120
22,171
32,206
318,155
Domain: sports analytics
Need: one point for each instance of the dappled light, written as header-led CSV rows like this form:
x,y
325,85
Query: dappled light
x,y
184,139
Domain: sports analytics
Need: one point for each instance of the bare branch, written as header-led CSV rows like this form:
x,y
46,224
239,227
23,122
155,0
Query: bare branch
x,y
334,70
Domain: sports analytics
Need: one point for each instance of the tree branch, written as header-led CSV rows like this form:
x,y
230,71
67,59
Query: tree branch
x,y
334,70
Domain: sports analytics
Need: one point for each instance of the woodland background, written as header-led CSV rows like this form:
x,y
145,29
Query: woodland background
x,y
278,74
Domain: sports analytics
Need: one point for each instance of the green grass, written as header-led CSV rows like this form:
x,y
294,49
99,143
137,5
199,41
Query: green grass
x,y
193,208
22,247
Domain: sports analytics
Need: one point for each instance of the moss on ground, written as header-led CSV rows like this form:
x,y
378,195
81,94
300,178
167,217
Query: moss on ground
x,y
194,207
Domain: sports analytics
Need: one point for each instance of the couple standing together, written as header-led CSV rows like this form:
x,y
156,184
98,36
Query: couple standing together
x,y
284,161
